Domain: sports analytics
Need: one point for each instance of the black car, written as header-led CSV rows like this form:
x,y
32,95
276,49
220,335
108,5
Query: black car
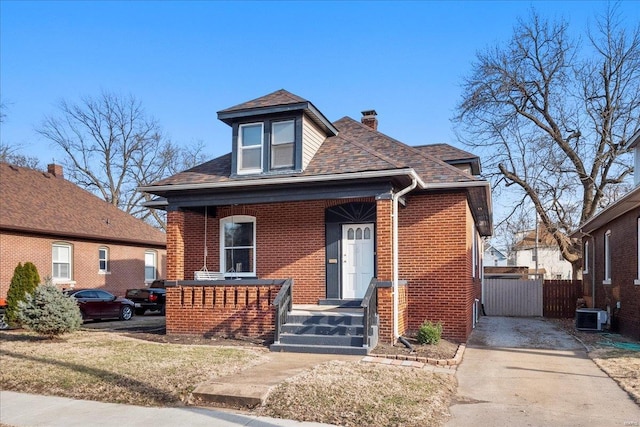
x,y
99,304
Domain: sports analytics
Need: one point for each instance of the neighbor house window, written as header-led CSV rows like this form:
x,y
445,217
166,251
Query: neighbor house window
x,y
150,266
282,144
250,141
607,258
62,257
238,245
103,260
585,256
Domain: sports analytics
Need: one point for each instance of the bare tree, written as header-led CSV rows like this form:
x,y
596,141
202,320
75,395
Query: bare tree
x,y
113,147
10,153
554,120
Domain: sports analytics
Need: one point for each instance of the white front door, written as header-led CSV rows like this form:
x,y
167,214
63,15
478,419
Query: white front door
x,y
357,259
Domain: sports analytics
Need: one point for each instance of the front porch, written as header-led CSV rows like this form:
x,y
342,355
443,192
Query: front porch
x,y
264,309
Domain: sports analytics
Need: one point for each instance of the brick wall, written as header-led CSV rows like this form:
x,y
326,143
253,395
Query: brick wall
x,y
435,255
290,243
435,259
126,263
384,240
385,312
624,271
175,245
227,310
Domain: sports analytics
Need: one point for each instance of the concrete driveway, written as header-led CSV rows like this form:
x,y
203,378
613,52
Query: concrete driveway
x,y
149,322
528,372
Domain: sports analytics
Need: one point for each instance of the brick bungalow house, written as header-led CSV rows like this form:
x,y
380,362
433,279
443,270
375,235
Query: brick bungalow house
x,y
611,254
328,236
72,236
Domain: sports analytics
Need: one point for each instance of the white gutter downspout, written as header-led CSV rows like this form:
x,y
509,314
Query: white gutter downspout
x,y
396,197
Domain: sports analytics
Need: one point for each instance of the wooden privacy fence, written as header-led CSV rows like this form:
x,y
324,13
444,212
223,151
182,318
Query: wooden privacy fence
x,y
560,297
513,297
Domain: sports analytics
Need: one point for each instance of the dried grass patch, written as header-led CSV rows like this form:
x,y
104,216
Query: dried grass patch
x,y
621,365
363,394
109,367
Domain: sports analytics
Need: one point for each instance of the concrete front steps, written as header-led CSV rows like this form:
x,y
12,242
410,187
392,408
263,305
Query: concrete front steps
x,y
323,329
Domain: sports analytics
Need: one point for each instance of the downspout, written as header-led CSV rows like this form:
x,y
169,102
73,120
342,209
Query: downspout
x,y
395,260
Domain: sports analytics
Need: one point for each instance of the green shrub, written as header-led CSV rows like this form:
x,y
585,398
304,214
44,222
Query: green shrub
x,y
24,281
430,333
49,312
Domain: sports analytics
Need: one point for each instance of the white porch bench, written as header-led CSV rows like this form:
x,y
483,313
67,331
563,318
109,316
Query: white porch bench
x,y
207,275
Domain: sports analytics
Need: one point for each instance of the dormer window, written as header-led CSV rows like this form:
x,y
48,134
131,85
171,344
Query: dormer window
x,y
268,146
283,137
250,142
274,135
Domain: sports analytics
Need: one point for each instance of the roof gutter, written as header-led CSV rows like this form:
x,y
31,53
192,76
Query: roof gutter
x,y
319,178
287,180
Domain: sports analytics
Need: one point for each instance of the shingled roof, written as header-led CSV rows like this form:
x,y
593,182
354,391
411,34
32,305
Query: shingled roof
x,y
357,148
351,151
277,98
452,155
43,203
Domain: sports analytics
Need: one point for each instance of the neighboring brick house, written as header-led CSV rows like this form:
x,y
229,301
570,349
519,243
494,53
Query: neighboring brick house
x,y
611,254
302,198
71,235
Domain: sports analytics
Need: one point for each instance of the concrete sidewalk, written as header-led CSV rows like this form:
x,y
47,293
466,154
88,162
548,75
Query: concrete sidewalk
x,y
30,410
528,372
250,388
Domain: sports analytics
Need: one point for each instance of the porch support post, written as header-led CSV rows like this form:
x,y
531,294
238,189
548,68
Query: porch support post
x,y
384,238
175,245
384,273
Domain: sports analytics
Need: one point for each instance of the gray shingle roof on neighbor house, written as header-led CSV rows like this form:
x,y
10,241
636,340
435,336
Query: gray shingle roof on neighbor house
x,y
38,202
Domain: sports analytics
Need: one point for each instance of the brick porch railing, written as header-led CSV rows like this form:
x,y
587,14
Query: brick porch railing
x,y
224,307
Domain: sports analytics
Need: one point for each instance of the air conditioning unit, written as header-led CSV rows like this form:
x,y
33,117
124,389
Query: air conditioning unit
x,y
590,319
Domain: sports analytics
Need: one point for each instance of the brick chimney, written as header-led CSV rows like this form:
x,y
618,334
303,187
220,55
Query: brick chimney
x,y
55,170
369,119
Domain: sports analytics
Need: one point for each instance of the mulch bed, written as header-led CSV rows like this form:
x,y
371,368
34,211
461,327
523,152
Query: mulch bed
x,y
442,351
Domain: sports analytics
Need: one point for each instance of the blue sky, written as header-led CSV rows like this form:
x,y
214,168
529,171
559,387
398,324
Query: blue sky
x,y
187,60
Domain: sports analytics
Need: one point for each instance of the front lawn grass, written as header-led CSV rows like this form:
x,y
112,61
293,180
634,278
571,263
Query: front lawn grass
x,y
109,367
364,394
621,365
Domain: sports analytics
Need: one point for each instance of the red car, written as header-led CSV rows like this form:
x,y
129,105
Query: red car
x,y
99,304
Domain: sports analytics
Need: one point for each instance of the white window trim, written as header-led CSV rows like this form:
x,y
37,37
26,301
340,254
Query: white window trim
x,y
53,261
607,258
240,169
101,271
223,266
585,256
155,266
292,142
